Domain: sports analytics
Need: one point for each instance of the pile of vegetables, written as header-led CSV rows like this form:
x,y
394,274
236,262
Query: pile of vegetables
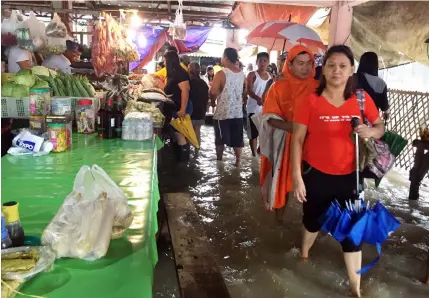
x,y
19,84
69,85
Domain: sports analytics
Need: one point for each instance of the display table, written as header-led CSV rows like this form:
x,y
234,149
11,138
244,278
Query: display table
x,y
40,184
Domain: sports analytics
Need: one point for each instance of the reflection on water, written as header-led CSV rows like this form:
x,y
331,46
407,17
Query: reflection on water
x,y
260,259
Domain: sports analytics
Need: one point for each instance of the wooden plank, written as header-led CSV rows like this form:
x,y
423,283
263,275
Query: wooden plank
x,y
198,272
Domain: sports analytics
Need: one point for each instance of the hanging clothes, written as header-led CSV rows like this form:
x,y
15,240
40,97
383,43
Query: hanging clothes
x,y
275,172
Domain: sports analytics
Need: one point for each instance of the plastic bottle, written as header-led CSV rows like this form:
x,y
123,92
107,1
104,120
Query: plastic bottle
x,y
6,242
109,123
102,113
13,223
119,117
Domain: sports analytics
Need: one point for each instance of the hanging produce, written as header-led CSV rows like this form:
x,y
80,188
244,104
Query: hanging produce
x,y
107,35
56,33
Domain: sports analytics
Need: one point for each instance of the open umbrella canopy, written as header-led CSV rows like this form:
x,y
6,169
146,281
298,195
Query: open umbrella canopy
x,y
283,35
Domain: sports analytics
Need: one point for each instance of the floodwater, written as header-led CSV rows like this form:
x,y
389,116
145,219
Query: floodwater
x,y
259,258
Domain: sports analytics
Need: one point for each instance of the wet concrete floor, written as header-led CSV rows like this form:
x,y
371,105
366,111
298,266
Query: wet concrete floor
x,y
259,258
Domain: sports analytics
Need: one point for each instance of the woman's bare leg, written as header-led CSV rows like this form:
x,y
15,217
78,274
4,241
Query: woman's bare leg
x,y
353,262
180,139
197,129
219,152
426,280
308,239
237,152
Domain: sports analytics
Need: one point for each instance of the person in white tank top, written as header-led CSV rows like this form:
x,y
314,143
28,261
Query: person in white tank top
x,y
256,84
226,95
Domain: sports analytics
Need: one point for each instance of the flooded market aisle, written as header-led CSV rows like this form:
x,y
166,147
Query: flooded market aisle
x,y
260,259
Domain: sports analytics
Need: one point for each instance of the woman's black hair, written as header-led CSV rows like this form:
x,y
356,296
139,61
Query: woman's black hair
x,y
274,67
161,64
194,69
350,86
368,64
231,54
209,77
172,63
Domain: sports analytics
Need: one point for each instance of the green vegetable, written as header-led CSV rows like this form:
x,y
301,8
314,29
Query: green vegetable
x,y
75,89
82,90
40,71
60,86
25,77
53,73
21,91
7,89
88,87
54,86
67,81
41,84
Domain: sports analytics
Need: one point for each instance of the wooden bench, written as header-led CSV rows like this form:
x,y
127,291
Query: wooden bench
x,y
420,168
198,273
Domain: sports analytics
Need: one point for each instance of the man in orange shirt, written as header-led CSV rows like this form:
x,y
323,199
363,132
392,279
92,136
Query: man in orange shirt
x,y
276,127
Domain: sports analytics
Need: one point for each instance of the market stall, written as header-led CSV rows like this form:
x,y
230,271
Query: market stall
x,y
127,268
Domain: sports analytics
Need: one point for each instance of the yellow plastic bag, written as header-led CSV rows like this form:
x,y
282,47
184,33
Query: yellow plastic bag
x,y
184,126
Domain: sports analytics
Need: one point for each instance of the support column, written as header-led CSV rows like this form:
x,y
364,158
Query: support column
x,y
340,23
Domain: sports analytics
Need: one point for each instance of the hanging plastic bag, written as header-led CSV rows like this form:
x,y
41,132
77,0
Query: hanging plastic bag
x,y
178,29
56,28
8,28
55,45
37,30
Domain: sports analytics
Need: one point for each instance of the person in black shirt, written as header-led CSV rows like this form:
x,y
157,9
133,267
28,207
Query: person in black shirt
x,y
178,88
367,79
199,96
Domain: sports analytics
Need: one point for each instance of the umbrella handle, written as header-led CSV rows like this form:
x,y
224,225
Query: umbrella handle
x,y
357,164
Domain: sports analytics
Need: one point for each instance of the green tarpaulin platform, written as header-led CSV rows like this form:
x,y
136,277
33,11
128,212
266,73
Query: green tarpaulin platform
x,y
40,184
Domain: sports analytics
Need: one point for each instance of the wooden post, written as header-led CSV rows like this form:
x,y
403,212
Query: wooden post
x,y
420,167
340,23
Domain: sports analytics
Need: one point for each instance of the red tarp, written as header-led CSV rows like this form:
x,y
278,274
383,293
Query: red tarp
x,y
249,15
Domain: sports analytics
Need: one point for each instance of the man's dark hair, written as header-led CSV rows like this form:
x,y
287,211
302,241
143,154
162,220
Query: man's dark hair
x,y
368,64
262,55
351,85
231,54
172,64
300,53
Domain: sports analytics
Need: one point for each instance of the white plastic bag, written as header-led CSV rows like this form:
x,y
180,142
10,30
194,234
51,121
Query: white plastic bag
x,y
81,228
37,29
56,28
91,182
11,24
55,45
178,29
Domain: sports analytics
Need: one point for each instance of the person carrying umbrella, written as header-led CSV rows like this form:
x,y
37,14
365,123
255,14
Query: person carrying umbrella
x,y
276,127
324,165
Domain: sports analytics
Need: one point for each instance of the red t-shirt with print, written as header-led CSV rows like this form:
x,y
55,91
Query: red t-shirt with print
x,y
329,146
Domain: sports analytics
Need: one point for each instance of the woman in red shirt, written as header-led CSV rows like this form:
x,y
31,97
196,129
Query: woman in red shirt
x,y
323,157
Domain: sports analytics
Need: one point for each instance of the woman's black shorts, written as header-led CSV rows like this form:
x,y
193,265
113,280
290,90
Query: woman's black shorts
x,y
322,189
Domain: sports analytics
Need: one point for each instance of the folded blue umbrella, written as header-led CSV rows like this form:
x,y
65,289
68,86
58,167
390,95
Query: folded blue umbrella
x,y
344,224
331,217
380,224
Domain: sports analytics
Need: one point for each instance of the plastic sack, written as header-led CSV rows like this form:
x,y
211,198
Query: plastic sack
x,y
81,228
178,29
45,262
27,42
11,24
137,126
55,46
56,28
91,182
37,31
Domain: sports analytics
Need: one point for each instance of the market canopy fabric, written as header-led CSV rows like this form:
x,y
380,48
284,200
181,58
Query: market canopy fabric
x,y
250,15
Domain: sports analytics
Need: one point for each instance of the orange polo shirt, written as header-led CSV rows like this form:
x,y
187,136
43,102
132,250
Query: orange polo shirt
x,y
329,146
